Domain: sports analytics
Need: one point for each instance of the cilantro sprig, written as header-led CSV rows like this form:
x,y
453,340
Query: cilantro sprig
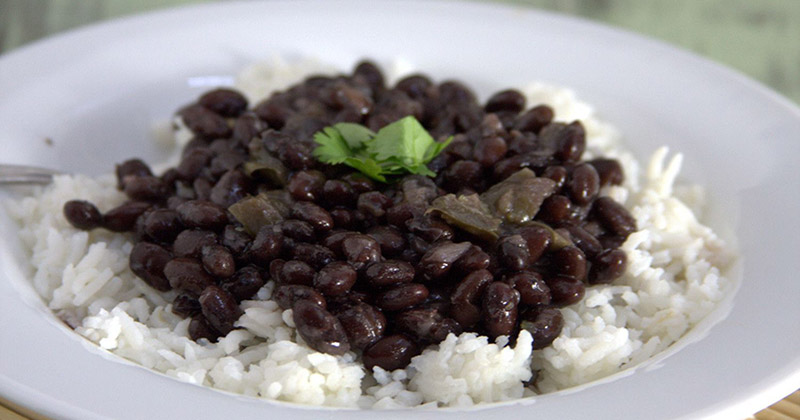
x,y
403,146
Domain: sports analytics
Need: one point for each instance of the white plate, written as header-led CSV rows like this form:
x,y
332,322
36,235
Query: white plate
x,y
96,91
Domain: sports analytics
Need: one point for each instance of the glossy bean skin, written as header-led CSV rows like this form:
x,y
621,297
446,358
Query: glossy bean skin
x,y
218,261
317,256
132,168
162,225
614,216
545,326
438,260
190,242
513,252
82,214
609,170
500,307
507,100
402,296
185,305
225,102
388,273
565,290
202,214
286,296
312,214
570,261
584,184
390,353
296,272
608,266
147,261
187,274
123,217
363,323
219,308
335,279
360,250
266,246
319,328
244,283
426,324
534,119
537,239
532,288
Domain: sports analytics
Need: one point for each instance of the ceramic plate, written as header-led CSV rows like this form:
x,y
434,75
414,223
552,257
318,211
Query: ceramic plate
x,y
95,93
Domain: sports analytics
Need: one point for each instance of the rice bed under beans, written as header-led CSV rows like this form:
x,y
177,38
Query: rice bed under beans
x,y
675,277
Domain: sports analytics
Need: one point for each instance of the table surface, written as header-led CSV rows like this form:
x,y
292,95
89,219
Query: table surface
x,y
758,38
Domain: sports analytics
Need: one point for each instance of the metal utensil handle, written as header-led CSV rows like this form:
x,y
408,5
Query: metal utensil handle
x,y
21,174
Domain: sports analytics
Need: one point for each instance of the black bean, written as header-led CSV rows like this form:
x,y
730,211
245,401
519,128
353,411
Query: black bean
x,y
557,173
426,324
439,259
297,156
489,150
371,74
614,216
313,214
286,296
218,261
359,182
225,102
507,100
82,214
373,203
185,305
306,185
500,306
461,173
534,119
244,283
545,326
569,261
335,279
266,246
334,240
608,266
246,128
390,353
584,184
145,188
187,274
402,296
565,290
190,242
175,201
390,239
584,240
131,167
298,230
200,328
220,308
390,272
343,218
360,250
316,256
531,287
400,213
415,86
234,239
163,225
205,123
296,272
202,189
202,214
555,209
538,240
232,187
338,193
193,162
472,260
429,229
609,170
147,261
569,141
363,323
513,252
319,328
472,287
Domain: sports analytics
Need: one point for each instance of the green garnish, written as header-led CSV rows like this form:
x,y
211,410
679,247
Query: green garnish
x,y
403,146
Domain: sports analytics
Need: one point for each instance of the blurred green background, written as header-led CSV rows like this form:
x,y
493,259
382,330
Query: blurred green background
x,y
760,38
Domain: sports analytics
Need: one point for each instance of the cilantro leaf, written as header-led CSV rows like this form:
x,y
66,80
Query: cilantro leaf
x,y
333,148
356,135
403,146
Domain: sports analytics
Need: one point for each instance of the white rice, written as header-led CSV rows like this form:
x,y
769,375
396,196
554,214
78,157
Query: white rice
x,y
675,278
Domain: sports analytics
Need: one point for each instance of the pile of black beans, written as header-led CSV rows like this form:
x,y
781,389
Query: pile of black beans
x,y
362,264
